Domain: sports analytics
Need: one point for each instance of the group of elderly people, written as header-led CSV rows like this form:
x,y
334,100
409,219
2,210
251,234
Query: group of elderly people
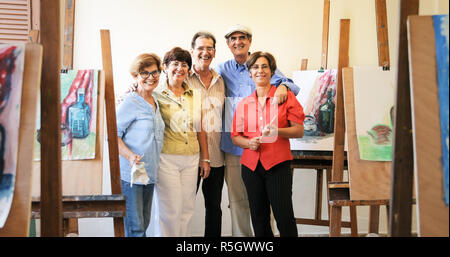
x,y
186,123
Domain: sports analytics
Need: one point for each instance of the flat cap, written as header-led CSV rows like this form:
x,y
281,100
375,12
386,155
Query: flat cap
x,y
238,28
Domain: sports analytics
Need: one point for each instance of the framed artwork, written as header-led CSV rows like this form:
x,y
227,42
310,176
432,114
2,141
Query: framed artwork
x,y
317,96
374,90
78,115
11,77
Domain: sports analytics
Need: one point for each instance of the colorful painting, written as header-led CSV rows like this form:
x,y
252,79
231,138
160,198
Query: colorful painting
x,y
78,115
11,76
374,109
440,23
317,97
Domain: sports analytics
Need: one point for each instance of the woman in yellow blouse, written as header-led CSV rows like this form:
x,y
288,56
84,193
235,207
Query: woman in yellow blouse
x,y
184,139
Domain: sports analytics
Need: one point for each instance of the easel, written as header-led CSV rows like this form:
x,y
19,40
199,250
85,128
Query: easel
x,y
400,216
78,202
18,222
432,212
371,178
318,160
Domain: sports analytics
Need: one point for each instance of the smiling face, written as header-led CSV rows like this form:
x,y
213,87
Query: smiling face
x,y
239,44
146,81
203,52
176,71
260,72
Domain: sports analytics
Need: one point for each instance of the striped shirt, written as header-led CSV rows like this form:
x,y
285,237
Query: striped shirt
x,y
213,99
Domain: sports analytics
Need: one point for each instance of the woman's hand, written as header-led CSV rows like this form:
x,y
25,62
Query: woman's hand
x,y
205,168
270,130
253,144
134,159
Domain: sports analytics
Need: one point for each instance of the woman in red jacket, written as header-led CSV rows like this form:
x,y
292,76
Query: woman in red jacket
x,y
263,127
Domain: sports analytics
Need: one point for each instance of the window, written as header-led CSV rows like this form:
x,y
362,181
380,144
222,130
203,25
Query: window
x,y
17,19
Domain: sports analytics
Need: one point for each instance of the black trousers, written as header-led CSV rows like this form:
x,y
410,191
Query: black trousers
x,y
267,188
212,193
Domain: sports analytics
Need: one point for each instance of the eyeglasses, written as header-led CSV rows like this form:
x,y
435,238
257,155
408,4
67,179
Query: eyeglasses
x,y
208,49
256,67
179,64
146,74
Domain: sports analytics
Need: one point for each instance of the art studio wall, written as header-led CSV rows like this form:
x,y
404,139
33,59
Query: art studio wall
x,y
289,29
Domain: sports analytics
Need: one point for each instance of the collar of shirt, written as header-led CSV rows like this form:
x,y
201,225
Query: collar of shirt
x,y
254,98
237,66
165,92
215,75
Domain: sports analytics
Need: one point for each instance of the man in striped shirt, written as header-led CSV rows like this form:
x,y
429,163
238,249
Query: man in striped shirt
x,y
205,80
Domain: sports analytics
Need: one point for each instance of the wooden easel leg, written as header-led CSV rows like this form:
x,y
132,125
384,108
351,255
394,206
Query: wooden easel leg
x,y
353,221
328,174
335,221
319,182
119,229
70,226
374,219
387,216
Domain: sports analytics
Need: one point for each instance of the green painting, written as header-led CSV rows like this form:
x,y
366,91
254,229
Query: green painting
x,y
374,101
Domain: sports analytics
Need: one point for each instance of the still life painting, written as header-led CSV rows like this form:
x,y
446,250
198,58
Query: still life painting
x,y
318,98
374,112
11,77
78,115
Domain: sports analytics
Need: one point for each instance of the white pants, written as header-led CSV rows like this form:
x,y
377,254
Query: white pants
x,y
177,183
237,197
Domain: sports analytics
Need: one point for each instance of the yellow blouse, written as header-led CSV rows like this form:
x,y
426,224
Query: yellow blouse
x,y
182,119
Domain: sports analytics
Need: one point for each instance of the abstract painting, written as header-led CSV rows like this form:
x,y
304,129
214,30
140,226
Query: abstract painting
x,y
78,115
11,76
374,108
440,23
317,97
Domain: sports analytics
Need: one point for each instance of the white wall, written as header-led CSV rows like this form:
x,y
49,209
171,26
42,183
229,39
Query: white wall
x,y
289,29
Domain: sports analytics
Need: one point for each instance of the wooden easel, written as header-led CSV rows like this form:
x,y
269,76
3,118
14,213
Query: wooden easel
x,y
18,222
52,207
400,216
432,212
370,178
320,161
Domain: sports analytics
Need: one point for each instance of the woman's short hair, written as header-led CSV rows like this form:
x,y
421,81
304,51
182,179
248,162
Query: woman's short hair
x,y
203,34
143,61
177,54
270,59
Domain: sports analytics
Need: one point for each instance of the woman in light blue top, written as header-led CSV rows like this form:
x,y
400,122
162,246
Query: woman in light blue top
x,y
140,131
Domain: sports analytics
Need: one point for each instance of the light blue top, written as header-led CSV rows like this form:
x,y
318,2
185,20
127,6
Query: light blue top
x,y
239,85
142,131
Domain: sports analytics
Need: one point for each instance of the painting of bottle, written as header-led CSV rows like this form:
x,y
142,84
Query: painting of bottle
x,y
326,114
79,116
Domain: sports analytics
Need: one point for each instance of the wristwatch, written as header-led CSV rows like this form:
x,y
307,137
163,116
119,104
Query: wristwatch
x,y
206,160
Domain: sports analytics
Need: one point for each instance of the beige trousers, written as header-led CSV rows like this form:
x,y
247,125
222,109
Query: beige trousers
x,y
177,183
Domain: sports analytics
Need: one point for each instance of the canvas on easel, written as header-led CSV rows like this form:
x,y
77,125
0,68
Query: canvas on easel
x,y
318,98
11,76
78,115
18,221
374,106
429,174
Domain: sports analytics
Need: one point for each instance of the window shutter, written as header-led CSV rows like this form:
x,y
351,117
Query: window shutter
x,y
15,20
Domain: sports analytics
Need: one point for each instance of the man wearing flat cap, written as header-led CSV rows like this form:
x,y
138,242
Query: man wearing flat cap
x,y
239,85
